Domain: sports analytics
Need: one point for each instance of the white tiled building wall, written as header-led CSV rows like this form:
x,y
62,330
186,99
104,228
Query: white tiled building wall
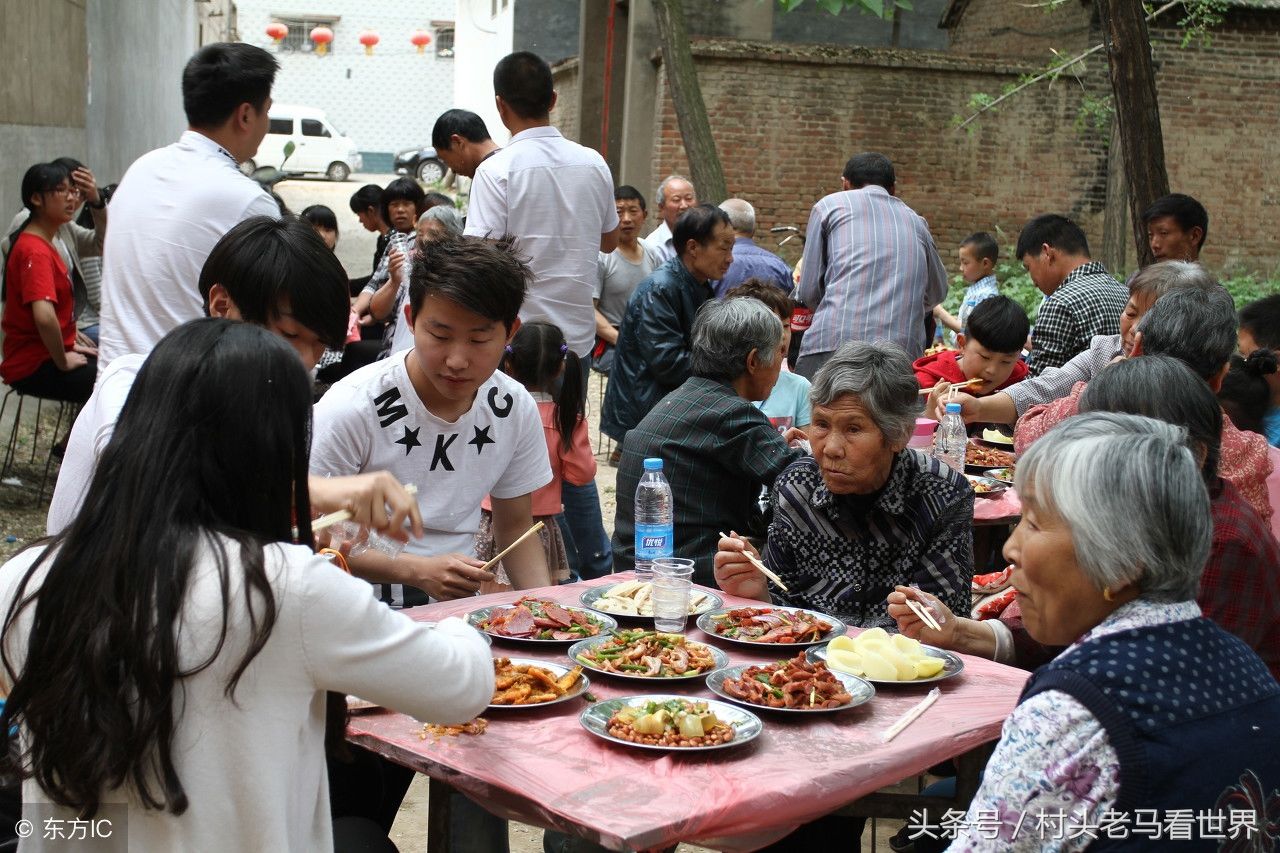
x,y
485,30
385,102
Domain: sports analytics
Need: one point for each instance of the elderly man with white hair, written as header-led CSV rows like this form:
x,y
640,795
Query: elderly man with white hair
x,y
717,449
750,260
675,195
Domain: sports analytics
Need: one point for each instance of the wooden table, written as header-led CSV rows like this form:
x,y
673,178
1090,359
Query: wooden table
x,y
541,767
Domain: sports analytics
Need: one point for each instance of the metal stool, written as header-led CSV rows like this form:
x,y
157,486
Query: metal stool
x,y
66,412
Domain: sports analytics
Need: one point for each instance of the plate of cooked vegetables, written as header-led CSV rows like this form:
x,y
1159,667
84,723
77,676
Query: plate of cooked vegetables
x,y
1003,475
521,683
794,685
986,487
647,655
671,723
535,620
767,626
634,599
884,658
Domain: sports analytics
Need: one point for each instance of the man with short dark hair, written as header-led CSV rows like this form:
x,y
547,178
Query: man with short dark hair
x,y
675,195
871,271
462,141
1081,298
1177,226
656,337
176,202
620,272
750,260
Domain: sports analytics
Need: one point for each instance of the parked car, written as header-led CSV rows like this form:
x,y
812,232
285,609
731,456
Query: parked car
x,y
421,163
319,148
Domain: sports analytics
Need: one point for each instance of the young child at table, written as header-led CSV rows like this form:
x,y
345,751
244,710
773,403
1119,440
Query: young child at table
x,y
978,255
788,403
990,350
441,416
539,359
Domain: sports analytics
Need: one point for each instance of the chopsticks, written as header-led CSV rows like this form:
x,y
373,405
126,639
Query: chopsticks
x,y
911,716
345,514
758,564
507,550
924,392
923,612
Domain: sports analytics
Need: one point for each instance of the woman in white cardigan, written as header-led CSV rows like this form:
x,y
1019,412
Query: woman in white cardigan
x,y
172,650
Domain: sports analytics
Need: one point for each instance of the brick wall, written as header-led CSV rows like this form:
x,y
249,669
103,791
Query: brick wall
x,y
565,115
786,118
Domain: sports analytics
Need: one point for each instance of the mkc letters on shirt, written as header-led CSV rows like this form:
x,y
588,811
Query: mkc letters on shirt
x,y
390,410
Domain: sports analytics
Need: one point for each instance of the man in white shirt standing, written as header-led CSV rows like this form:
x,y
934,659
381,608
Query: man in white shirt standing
x,y
556,198
675,195
176,202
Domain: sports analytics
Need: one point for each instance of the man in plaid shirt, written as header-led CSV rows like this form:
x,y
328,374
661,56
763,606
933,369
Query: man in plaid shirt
x,y
1081,298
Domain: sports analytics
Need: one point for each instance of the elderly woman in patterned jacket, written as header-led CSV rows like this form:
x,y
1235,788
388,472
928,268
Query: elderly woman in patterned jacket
x,y
1154,718
865,512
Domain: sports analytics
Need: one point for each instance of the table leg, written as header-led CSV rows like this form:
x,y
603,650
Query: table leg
x,y
439,797
969,767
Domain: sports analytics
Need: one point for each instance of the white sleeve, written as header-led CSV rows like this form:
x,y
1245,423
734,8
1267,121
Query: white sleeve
x,y
355,644
340,441
262,205
530,467
608,207
487,207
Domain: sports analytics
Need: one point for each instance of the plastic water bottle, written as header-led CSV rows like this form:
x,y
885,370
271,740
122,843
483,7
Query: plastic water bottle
x,y
655,519
951,439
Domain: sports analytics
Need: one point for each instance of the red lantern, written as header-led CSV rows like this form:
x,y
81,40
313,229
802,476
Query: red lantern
x,y
277,31
369,38
420,38
322,36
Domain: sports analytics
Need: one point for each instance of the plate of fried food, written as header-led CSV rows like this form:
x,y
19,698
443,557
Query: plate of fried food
x,y
634,599
523,683
1003,475
799,685
535,620
980,458
647,655
767,626
986,487
675,723
884,658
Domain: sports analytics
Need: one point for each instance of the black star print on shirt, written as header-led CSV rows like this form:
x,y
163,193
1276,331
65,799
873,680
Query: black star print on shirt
x,y
409,440
481,439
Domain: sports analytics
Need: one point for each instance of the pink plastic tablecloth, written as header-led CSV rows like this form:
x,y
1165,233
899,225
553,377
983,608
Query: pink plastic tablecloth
x,y
542,767
1004,508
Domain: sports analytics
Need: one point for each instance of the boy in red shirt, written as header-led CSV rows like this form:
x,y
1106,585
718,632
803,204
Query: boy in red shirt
x,y
990,350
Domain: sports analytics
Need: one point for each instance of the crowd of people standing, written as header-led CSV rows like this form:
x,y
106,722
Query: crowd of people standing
x,y
236,382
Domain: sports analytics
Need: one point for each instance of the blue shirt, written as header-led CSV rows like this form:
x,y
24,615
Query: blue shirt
x,y
788,403
751,261
1271,423
983,288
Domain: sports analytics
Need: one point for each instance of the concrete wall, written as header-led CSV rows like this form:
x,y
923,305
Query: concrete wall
x,y
385,102
137,50
482,40
42,82
548,28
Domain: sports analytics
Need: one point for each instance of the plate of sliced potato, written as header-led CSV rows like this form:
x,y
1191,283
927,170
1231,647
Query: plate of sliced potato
x,y
635,599
526,683
884,658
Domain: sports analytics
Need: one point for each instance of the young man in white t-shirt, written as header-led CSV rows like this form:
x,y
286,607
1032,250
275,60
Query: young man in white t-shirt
x,y
441,416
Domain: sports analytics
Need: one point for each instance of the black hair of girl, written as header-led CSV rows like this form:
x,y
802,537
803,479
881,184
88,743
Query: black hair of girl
x,y
321,216
40,178
1245,394
208,462
534,356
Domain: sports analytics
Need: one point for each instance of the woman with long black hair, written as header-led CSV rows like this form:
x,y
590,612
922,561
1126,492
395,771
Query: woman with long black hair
x,y
171,650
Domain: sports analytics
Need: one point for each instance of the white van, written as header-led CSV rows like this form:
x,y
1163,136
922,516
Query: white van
x,y
318,147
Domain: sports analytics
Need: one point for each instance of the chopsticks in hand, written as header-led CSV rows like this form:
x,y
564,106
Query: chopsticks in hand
x,y
923,612
758,564
346,515
924,392
507,550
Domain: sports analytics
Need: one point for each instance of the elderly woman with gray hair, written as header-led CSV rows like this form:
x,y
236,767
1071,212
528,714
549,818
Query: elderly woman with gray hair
x,y
1152,707
865,512
717,449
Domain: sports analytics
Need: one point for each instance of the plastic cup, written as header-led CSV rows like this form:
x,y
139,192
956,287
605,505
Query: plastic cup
x,y
672,586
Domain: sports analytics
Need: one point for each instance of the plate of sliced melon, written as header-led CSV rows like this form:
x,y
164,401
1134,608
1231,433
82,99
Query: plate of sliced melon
x,y
884,658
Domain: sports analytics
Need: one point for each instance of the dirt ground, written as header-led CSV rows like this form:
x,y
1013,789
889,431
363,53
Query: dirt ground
x,y
22,516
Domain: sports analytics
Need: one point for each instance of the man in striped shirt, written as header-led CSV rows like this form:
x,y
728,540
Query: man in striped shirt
x,y
871,271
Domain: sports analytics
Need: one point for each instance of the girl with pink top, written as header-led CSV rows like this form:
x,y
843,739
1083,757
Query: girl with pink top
x,y
540,360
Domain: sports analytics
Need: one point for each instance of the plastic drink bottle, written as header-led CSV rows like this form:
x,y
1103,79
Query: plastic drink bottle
x,y
655,519
951,439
